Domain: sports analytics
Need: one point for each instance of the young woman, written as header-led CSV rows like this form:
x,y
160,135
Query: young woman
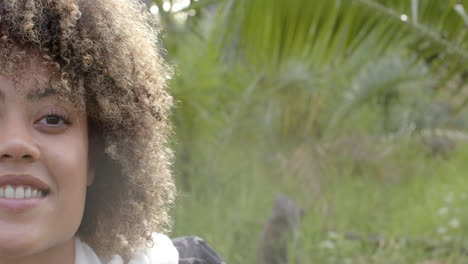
x,y
84,157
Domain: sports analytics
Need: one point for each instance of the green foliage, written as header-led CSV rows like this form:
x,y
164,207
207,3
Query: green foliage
x,y
298,57
351,107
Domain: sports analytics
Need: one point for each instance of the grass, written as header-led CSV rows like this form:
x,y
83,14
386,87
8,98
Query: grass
x,y
408,199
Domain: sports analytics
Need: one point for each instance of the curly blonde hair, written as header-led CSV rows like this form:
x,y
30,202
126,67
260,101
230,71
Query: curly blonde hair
x,y
107,61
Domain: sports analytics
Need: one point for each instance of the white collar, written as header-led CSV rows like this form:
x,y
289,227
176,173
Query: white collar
x,y
163,252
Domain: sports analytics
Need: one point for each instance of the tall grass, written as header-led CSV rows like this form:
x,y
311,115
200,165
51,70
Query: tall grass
x,y
409,200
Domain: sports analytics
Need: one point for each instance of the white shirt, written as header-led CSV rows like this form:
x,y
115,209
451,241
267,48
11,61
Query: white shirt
x,y
163,252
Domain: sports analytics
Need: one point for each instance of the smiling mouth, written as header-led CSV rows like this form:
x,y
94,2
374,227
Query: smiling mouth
x,y
21,192
22,187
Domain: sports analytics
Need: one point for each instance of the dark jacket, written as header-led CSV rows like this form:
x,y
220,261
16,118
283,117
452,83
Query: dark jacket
x,y
193,250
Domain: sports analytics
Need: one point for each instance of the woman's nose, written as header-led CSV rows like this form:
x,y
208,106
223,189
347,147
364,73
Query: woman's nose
x,y
16,143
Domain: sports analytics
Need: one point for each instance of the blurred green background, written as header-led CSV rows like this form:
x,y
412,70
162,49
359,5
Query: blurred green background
x,y
355,109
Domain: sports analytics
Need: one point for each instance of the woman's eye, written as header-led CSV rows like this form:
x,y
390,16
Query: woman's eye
x,y
52,120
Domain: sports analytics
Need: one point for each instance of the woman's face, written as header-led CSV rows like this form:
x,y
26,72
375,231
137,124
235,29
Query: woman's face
x,y
43,165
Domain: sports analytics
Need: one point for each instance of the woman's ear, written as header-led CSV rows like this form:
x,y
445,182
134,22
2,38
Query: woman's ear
x,y
90,177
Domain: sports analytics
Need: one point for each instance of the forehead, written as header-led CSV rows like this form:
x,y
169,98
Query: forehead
x,y
31,70
31,76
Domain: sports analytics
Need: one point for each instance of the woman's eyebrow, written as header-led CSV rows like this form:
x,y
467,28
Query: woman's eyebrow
x,y
40,93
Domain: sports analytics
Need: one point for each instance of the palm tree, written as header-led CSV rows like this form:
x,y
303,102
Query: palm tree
x,y
318,56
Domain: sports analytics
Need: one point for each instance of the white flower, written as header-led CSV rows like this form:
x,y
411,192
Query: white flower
x,y
441,230
327,244
454,223
442,211
449,198
333,235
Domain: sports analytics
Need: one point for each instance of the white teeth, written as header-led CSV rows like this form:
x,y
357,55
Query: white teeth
x,y
27,193
9,192
19,192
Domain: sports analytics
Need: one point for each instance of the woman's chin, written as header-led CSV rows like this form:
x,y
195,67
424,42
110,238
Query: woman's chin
x,y
16,247
15,242
35,246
